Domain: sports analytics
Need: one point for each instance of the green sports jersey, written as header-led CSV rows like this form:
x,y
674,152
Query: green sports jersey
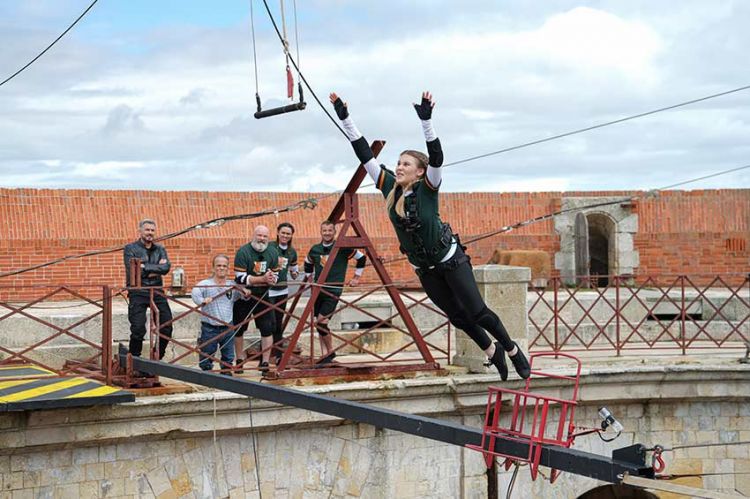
x,y
424,201
248,261
287,258
318,257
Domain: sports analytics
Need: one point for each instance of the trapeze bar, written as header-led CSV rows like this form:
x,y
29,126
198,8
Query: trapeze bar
x,y
299,106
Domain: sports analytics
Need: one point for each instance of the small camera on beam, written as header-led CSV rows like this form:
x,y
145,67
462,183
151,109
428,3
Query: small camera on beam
x,y
608,420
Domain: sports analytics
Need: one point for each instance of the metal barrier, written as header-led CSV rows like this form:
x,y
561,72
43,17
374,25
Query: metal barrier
x,y
69,329
302,358
645,312
61,344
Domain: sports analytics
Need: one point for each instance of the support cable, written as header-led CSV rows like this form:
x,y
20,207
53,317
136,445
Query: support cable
x,y
509,493
548,216
599,125
310,203
32,61
296,36
255,54
255,450
526,144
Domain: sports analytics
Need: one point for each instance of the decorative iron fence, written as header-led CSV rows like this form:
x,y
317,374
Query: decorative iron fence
x,y
72,328
686,312
72,335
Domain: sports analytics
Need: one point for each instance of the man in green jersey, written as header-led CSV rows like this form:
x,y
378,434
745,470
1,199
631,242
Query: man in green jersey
x,y
255,267
326,302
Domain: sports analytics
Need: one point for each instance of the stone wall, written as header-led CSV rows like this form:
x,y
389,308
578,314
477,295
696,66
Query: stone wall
x,y
201,445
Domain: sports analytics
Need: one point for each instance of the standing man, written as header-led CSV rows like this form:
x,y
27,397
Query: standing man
x,y
255,267
216,297
325,304
279,294
154,264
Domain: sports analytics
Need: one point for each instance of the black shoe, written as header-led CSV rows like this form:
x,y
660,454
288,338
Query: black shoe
x,y
263,368
238,362
498,360
327,359
521,363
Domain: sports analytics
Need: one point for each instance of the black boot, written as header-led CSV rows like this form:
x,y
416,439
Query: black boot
x,y
498,360
263,368
520,363
327,359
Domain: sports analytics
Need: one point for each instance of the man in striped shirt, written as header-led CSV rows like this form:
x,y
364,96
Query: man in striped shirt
x,y
216,297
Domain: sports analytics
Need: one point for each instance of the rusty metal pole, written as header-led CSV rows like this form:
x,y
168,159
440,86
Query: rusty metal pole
x,y
555,311
617,314
107,358
336,213
683,342
135,273
346,213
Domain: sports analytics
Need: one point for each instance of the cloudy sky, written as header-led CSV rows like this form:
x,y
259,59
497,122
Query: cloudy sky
x,y
147,94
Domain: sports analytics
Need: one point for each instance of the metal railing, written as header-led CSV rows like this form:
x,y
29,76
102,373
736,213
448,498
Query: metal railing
x,y
303,356
684,312
72,328
62,343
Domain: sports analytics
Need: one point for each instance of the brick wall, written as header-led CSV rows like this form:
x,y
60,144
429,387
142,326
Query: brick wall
x,y
694,232
679,231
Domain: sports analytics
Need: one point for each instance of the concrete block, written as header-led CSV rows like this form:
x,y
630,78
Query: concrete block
x,y
85,455
504,290
159,481
29,493
18,463
628,224
13,481
69,491
32,479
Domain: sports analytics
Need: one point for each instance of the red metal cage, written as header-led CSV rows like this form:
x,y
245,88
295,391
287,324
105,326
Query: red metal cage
x,y
528,421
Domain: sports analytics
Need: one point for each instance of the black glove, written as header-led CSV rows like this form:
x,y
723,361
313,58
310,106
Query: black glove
x,y
341,110
424,109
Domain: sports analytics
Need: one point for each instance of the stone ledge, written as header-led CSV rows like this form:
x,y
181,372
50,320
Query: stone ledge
x,y
192,414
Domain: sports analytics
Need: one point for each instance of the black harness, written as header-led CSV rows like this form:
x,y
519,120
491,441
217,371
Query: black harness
x,y
410,223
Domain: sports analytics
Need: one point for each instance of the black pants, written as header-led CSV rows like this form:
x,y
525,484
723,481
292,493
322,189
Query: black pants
x,y
452,287
138,306
252,307
280,301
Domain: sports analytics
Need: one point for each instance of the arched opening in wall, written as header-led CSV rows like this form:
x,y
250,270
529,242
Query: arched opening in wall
x,y
601,247
619,491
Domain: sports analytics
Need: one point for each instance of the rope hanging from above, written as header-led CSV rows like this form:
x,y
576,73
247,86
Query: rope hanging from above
x,y
297,106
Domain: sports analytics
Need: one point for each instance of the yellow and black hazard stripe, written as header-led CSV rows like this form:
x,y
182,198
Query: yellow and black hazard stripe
x,y
24,371
55,392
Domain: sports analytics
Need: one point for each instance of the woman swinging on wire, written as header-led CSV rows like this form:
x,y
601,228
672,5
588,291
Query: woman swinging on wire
x,y
411,193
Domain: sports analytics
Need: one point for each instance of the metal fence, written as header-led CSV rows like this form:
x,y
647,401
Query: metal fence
x,y
73,328
68,337
684,312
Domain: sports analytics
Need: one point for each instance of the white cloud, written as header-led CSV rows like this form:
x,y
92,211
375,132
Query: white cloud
x,y
91,115
119,170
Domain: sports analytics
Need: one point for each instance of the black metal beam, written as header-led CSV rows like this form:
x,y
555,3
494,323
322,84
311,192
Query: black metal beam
x,y
570,460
